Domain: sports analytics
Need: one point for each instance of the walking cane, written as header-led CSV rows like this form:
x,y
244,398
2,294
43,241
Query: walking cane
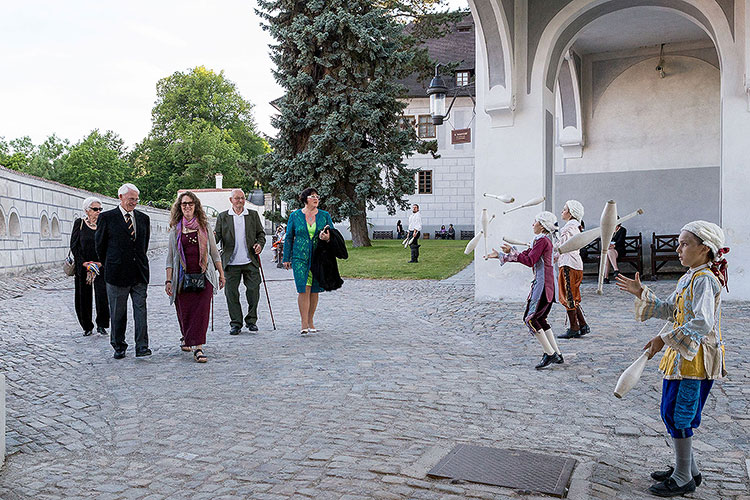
x,y
265,287
212,313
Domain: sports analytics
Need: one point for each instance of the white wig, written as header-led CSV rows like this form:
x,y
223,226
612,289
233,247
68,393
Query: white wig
x,y
575,208
90,201
709,233
547,220
127,187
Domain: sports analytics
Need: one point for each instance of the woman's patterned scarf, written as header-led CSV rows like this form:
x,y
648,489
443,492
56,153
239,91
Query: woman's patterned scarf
x,y
202,242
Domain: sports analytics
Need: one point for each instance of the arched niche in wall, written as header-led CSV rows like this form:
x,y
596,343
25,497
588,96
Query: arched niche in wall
x,y
3,224
44,226
494,21
14,224
55,226
568,109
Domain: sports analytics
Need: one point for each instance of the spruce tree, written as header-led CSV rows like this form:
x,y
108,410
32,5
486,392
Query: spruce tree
x,y
339,62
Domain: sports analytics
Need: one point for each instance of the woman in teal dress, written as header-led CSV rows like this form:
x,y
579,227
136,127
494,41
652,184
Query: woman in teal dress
x,y
303,230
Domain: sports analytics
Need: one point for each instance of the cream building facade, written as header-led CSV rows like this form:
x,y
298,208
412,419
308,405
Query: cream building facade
x,y
646,102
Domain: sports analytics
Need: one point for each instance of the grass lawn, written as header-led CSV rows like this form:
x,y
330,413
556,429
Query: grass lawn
x,y
387,259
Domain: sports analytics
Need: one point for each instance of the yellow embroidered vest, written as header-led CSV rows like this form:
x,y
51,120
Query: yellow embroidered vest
x,y
675,366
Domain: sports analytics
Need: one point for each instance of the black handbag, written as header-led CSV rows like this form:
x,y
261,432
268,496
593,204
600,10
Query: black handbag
x,y
194,282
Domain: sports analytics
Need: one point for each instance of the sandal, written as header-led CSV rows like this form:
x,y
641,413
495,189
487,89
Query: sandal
x,y
183,346
304,332
200,358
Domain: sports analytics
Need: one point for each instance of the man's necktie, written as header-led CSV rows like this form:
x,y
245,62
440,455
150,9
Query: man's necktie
x,y
129,223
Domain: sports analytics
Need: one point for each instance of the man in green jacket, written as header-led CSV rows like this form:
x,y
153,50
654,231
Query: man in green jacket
x,y
239,256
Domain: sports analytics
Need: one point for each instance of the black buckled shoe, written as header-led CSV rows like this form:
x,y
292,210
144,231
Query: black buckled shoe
x,y
669,488
663,475
570,334
546,361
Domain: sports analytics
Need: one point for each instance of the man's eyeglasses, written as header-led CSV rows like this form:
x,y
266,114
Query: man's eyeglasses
x,y
187,203
96,209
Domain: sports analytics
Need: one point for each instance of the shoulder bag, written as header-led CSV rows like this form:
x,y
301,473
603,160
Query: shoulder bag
x,y
69,265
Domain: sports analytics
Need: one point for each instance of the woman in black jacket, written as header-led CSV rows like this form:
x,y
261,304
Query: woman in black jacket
x,y
616,248
87,283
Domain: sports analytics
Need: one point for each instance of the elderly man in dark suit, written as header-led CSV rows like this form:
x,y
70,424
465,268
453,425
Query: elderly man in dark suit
x,y
241,236
121,243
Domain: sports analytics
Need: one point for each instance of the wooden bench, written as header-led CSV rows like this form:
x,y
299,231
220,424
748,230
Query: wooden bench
x,y
382,235
663,251
467,235
633,253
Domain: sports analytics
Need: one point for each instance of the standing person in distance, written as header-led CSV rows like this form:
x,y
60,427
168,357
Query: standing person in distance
x,y
192,251
122,238
399,229
242,237
571,272
415,230
304,228
615,249
83,248
695,350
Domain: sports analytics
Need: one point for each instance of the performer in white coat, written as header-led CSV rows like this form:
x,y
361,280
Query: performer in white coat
x,y
571,272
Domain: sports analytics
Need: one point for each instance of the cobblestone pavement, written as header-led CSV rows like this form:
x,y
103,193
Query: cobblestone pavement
x,y
400,373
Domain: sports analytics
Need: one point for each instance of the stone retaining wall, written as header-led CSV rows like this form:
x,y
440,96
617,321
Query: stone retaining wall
x,y
37,216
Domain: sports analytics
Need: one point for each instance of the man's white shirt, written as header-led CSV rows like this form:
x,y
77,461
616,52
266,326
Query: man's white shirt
x,y
240,255
415,221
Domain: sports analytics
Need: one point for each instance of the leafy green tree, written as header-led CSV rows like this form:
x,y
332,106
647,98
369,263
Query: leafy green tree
x,y
49,158
98,163
44,160
17,153
201,125
339,62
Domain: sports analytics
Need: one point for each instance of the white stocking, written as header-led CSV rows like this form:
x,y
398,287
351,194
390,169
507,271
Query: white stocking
x,y
542,338
551,339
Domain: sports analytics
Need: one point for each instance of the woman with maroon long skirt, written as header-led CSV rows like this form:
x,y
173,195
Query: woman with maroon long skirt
x,y
192,253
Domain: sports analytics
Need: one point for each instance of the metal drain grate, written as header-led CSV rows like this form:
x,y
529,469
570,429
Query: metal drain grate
x,y
507,468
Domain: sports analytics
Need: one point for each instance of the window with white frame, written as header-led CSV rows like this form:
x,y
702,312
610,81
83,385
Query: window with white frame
x,y
463,78
424,182
425,127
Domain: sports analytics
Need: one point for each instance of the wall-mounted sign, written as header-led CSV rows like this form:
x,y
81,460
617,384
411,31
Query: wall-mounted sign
x,y
460,136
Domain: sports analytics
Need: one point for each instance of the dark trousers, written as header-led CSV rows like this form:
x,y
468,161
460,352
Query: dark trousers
x,y
118,308
84,294
250,275
414,246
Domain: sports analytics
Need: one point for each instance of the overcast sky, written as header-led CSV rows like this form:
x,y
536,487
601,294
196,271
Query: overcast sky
x,y
70,67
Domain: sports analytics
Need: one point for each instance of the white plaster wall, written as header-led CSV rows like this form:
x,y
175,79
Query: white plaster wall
x,y
644,122
734,156
452,198
509,160
517,150
30,197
